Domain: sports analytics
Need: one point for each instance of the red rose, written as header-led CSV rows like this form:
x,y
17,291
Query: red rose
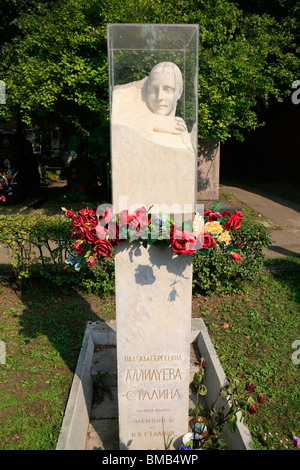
x,y
134,229
252,409
249,386
69,214
77,221
103,248
113,232
125,217
235,256
91,235
141,215
182,242
88,216
79,232
206,240
261,398
212,215
174,232
79,247
234,221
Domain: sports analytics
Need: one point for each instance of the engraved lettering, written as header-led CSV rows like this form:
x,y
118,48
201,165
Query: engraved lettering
x,y
144,375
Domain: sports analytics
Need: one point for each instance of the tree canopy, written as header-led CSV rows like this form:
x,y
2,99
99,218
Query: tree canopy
x,y
54,58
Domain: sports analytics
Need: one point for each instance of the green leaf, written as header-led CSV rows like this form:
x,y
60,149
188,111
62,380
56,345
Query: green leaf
x,y
217,206
229,248
205,251
231,422
197,379
187,226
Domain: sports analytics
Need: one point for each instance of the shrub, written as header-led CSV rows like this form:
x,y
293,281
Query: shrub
x,y
42,243
216,272
34,240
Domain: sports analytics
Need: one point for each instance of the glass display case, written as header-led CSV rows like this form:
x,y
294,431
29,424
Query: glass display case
x,y
134,49
153,89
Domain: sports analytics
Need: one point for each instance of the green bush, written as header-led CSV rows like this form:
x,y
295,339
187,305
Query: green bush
x,y
100,279
34,240
217,272
39,243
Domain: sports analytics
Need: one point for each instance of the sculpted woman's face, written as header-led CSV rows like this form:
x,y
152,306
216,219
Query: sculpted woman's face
x,y
162,91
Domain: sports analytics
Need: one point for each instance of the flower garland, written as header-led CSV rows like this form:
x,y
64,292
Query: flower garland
x,y
96,235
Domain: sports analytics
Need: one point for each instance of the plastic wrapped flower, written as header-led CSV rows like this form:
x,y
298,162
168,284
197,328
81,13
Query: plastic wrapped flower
x,y
198,225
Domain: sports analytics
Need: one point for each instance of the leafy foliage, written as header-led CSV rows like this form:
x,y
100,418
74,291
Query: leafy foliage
x,y
216,273
43,243
54,61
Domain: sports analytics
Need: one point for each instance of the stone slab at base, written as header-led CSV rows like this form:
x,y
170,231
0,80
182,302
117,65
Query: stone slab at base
x,y
77,413
76,421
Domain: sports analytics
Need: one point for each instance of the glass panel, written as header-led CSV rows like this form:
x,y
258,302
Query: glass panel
x,y
134,49
154,114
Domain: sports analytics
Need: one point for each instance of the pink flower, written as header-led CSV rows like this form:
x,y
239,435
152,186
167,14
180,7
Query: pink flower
x,y
235,256
2,198
101,232
296,441
107,216
92,261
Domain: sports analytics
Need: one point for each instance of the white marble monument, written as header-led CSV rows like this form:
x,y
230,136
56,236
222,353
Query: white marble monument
x,y
153,157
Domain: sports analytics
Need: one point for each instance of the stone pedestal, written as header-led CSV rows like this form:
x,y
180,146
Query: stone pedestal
x,y
153,303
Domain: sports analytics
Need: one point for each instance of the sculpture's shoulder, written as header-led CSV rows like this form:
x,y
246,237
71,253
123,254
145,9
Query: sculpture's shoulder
x,y
128,102
127,86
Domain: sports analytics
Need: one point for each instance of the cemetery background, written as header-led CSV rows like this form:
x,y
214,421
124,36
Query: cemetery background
x,y
56,339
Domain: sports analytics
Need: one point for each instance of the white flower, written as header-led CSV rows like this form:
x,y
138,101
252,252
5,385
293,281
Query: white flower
x,y
198,224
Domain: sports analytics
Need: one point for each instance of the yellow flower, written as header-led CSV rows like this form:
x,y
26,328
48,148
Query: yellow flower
x,y
214,228
224,238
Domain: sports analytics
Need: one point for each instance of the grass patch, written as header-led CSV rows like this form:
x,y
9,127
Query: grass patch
x,y
252,331
42,330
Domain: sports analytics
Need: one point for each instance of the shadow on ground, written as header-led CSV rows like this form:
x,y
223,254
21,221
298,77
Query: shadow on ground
x,y
60,315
